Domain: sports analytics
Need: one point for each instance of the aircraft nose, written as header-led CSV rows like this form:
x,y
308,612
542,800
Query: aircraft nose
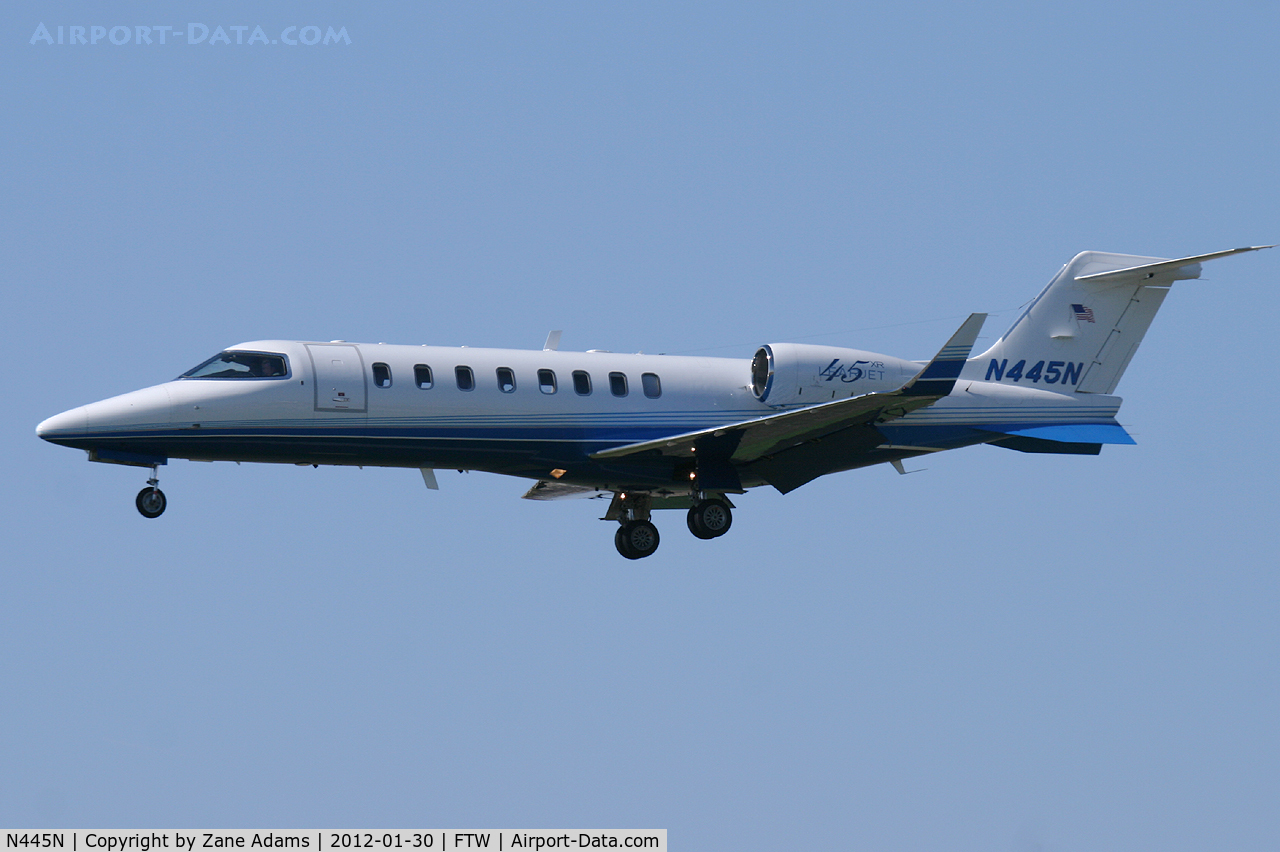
x,y
138,411
68,424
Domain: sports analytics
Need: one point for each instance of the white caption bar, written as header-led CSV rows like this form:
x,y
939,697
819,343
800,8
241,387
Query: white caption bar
x,y
324,840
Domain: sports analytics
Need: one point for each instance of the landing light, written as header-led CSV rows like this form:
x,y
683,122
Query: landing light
x,y
557,473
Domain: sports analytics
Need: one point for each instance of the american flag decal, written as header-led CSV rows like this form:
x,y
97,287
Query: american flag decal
x,y
1083,313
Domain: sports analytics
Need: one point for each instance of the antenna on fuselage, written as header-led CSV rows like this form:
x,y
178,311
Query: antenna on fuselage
x,y
553,341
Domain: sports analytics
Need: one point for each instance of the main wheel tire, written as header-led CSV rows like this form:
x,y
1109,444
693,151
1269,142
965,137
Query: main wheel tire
x,y
151,502
695,525
620,542
710,518
636,539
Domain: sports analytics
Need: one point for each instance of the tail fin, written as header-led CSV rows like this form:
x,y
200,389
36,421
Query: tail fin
x,y
1080,333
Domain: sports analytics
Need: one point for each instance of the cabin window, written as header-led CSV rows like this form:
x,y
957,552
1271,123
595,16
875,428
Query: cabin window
x,y
547,381
581,383
466,379
618,384
652,385
381,375
506,380
422,376
240,365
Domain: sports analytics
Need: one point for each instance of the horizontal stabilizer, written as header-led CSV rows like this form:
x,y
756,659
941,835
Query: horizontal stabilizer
x,y
1186,267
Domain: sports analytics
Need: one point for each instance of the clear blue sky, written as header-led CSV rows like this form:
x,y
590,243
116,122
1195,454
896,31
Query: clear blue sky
x,y
1003,652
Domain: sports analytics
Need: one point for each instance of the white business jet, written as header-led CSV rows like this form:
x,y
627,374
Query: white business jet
x,y
651,431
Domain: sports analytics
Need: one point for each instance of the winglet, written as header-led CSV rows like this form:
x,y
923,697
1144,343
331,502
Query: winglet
x,y
553,341
939,375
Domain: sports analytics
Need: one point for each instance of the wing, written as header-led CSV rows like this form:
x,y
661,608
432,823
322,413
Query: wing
x,y
752,440
545,489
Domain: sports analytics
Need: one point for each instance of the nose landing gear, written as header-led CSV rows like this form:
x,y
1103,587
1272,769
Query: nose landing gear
x,y
151,501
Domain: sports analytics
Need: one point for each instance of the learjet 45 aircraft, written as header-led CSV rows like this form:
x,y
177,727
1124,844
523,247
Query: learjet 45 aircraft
x,y
651,431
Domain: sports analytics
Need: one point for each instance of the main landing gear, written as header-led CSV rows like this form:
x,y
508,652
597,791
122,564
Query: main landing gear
x,y
709,518
637,537
151,501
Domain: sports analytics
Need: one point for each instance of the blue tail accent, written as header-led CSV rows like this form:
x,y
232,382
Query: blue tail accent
x,y
1074,433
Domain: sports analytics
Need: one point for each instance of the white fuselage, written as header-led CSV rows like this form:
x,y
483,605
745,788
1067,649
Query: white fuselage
x,y
518,412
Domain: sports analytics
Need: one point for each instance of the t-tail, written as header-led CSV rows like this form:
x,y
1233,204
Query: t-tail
x,y
1081,332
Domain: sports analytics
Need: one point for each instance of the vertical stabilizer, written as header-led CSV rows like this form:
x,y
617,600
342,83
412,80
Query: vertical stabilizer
x,y
1080,333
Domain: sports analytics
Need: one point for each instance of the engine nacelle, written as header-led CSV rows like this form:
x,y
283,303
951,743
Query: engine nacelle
x,y
796,373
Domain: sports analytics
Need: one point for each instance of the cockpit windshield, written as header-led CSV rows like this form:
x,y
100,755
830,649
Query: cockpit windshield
x,y
240,365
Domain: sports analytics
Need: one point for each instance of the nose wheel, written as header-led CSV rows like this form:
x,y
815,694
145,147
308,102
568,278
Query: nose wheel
x,y
151,501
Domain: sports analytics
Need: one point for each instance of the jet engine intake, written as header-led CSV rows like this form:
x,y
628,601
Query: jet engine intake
x,y
786,374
